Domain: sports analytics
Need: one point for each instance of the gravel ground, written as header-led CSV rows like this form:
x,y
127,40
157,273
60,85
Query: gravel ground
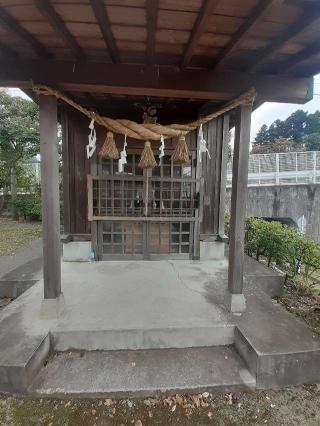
x,y
292,406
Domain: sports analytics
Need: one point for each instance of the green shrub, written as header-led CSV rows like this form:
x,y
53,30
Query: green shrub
x,y
268,239
285,248
309,259
29,206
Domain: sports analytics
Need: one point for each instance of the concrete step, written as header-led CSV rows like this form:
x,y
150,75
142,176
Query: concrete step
x,y
278,348
218,334
21,358
142,373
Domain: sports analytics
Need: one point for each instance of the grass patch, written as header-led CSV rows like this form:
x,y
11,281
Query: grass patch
x,y
14,235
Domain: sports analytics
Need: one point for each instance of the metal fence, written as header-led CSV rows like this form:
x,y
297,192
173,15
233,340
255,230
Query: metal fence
x,y
288,168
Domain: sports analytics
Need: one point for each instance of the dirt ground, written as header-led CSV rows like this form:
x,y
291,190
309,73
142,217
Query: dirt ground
x,y
293,406
14,234
305,306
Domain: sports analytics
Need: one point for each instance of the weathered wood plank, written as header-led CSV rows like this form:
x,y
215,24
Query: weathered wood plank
x,y
223,176
105,27
152,13
199,28
50,197
49,13
238,209
14,26
295,60
311,15
90,198
252,21
65,172
163,81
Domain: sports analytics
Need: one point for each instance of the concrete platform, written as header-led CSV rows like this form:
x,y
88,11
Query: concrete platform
x,y
143,373
153,307
141,305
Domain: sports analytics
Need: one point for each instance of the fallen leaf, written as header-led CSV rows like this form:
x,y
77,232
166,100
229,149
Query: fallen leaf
x,y
67,404
93,412
196,400
188,412
179,399
173,409
229,398
168,401
210,414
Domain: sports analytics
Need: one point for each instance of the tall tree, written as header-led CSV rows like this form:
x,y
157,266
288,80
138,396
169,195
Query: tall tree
x,y
291,134
262,137
296,125
312,142
313,123
19,135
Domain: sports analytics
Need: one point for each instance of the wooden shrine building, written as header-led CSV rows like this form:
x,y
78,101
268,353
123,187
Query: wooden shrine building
x,y
153,61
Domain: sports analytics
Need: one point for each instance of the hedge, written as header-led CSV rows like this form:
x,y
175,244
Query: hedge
x,y
283,247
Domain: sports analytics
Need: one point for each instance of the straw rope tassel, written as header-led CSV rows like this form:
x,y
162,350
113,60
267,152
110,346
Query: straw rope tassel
x,y
109,148
147,160
181,154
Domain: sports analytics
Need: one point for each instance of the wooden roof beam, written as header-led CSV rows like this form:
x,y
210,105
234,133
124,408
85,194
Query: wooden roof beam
x,y
304,55
152,14
105,28
7,52
310,15
49,13
166,82
13,26
253,20
199,27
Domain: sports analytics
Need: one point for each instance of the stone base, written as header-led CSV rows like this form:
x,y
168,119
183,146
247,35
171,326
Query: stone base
x,y
77,251
235,303
211,250
53,308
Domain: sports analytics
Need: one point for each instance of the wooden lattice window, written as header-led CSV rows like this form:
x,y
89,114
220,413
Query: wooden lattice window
x,y
124,238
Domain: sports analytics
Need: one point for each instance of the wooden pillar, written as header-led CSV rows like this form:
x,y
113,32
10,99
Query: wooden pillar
x,y
234,300
65,172
50,197
223,177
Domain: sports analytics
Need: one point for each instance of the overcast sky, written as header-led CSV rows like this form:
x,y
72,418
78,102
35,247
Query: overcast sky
x,y
268,112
